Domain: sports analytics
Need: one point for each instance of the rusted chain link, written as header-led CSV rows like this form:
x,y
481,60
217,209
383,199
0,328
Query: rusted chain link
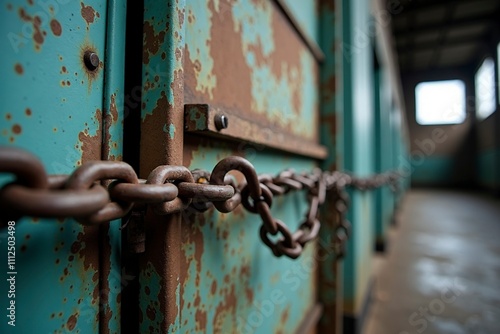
x,y
171,189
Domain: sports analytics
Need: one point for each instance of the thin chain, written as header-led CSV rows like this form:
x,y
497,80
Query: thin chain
x,y
169,189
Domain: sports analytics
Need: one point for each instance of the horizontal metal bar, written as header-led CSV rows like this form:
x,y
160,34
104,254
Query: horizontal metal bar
x,y
310,43
205,119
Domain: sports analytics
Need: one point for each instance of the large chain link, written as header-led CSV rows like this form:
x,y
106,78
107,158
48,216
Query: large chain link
x,y
100,191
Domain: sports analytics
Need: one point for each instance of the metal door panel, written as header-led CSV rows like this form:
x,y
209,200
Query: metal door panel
x,y
243,57
53,106
231,282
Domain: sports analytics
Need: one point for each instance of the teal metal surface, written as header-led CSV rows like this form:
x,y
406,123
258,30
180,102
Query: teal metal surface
x,y
307,15
161,143
244,57
230,282
358,122
53,107
111,279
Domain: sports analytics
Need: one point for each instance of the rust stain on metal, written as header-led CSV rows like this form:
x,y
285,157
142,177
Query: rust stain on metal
x,y
56,28
91,145
201,319
152,41
88,13
213,288
16,129
37,22
225,309
331,121
153,124
110,118
105,313
150,312
71,323
18,68
327,5
328,88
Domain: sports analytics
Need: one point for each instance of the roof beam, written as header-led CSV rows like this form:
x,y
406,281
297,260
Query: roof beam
x,y
459,23
448,43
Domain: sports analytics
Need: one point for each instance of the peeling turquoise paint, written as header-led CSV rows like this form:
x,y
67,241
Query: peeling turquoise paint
x,y
245,273
171,131
198,30
282,90
49,106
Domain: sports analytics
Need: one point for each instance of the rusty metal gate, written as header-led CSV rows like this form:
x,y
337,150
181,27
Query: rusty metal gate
x,y
173,88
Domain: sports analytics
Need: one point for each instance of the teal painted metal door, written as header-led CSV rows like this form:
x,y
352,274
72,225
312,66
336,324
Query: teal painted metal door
x,y
243,60
255,62
56,105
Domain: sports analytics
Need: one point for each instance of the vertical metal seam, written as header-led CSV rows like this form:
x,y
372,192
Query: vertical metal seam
x,y
114,59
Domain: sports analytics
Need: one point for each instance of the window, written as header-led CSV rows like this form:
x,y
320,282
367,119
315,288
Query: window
x,y
485,89
498,62
440,102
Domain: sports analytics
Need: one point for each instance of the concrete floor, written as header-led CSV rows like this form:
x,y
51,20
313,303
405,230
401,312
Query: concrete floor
x,y
441,273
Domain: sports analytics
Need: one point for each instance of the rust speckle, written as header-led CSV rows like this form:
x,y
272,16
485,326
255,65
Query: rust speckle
x,y
71,323
37,35
201,319
284,316
150,313
213,288
91,145
152,41
37,23
16,128
56,28
23,248
110,118
18,68
224,310
8,116
28,112
88,13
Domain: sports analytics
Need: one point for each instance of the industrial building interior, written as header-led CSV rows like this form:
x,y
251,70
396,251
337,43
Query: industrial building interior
x,y
237,166
440,272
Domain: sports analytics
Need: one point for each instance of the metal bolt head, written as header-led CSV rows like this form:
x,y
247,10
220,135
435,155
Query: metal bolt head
x,y
91,60
221,122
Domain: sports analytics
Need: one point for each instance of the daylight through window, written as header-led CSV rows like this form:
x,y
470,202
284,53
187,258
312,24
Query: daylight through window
x,y
440,102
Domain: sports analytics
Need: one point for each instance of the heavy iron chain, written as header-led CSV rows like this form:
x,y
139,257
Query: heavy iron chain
x,y
100,191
